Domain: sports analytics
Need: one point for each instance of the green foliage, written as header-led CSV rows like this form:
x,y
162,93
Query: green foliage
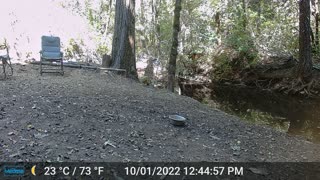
x,y
146,80
234,34
74,49
243,44
100,17
191,67
238,53
102,49
222,65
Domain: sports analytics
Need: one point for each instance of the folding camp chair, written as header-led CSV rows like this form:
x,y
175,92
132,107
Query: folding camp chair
x,y
50,53
5,59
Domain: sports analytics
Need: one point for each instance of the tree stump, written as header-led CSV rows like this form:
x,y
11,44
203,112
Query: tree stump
x,y
149,69
106,61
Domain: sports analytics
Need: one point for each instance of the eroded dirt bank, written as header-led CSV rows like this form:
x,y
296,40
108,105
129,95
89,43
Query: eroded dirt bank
x,y
89,116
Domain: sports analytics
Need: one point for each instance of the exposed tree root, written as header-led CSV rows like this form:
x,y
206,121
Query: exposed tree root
x,y
298,86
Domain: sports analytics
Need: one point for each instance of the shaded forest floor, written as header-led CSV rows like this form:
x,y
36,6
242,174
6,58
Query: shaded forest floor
x,y
90,116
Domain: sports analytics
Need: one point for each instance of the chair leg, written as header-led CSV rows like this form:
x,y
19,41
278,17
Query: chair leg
x,y
62,73
10,66
4,68
40,66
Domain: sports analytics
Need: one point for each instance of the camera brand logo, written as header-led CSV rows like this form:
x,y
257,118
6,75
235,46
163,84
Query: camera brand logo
x,y
13,170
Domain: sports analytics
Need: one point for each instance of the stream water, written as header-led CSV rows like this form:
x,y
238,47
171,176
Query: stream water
x,y
296,116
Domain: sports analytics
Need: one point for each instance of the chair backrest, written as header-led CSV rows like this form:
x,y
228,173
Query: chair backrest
x,y
50,44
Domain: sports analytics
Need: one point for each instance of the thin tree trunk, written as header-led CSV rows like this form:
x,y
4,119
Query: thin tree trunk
x,y
244,18
174,47
156,11
304,71
123,44
218,22
317,30
143,21
109,19
259,17
312,37
316,23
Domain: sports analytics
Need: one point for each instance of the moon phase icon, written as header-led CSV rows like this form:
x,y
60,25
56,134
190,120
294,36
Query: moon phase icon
x,y
33,170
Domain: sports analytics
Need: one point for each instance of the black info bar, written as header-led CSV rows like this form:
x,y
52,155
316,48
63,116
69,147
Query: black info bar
x,y
159,170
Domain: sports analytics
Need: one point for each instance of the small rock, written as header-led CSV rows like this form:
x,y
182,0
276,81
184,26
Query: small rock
x,y
215,137
59,159
14,155
235,148
108,143
30,126
40,136
66,157
304,158
11,133
237,153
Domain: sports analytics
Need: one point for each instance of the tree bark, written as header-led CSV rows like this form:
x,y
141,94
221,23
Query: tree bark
x,y
259,17
106,61
317,30
244,16
174,47
304,71
156,11
218,22
316,18
123,44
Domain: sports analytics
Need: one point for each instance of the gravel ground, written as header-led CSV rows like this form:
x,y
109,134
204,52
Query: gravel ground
x,y
90,116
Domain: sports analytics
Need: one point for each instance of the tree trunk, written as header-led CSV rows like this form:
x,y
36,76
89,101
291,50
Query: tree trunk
x,y
244,16
317,30
316,17
312,37
259,17
144,34
106,61
156,11
218,22
174,47
304,71
123,44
